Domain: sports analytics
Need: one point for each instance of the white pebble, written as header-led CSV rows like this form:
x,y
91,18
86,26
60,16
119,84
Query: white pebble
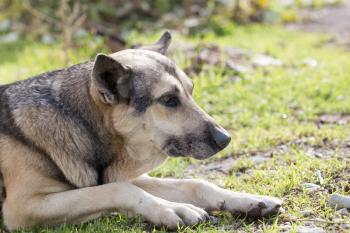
x,y
310,230
339,201
311,187
343,211
306,213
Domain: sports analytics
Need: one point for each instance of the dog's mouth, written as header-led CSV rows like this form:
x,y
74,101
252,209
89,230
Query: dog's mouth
x,y
200,146
198,149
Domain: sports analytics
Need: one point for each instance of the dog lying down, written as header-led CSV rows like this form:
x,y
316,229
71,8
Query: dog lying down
x,y
76,144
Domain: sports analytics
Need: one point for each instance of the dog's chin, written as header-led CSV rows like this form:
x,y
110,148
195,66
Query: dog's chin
x,y
204,153
199,153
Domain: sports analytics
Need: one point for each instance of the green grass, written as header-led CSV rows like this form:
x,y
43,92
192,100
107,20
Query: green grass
x,y
262,109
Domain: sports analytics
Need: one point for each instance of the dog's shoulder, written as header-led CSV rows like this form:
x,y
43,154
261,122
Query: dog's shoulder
x,y
53,114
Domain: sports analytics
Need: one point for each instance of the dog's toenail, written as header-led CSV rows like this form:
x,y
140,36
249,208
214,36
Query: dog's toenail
x,y
262,204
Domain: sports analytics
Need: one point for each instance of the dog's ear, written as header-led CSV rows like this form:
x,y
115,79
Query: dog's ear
x,y
161,45
111,79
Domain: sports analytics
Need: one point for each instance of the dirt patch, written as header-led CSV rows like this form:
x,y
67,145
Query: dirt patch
x,y
326,150
339,119
236,61
333,20
215,169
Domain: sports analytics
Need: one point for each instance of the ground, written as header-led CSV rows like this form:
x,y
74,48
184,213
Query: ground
x,y
333,20
283,95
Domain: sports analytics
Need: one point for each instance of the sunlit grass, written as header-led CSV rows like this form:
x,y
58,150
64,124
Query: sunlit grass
x,y
262,109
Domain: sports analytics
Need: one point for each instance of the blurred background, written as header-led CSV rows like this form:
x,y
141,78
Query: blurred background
x,y
275,74
113,21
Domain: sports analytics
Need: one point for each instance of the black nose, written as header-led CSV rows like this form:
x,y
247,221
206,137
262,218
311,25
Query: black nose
x,y
221,137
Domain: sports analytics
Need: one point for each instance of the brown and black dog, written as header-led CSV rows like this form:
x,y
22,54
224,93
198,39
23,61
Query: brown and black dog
x,y
76,144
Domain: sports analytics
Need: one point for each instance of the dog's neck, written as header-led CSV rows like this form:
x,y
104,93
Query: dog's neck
x,y
132,161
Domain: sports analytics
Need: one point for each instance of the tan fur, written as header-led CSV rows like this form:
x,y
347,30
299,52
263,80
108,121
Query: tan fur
x,y
45,185
34,198
203,194
74,169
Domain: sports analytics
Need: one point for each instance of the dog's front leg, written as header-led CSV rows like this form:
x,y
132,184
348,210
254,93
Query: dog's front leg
x,y
209,196
73,205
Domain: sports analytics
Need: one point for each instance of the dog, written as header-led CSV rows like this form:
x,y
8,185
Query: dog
x,y
77,143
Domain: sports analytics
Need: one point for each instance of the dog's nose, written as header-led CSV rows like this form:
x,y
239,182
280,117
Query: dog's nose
x,y
221,137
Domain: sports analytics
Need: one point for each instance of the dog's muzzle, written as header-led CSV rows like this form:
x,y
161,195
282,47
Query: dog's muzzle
x,y
205,145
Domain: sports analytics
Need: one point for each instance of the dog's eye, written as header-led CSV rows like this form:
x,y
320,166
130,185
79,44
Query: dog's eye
x,y
170,101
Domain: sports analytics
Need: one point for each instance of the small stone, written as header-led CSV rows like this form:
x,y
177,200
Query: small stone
x,y
347,144
311,187
339,201
309,223
265,60
284,228
192,22
310,62
345,225
258,159
238,68
47,39
9,37
239,174
5,25
210,55
213,220
304,229
282,211
338,119
318,155
343,211
234,78
306,213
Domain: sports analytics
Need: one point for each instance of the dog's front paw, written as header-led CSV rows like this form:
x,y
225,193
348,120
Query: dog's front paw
x,y
172,215
272,205
254,206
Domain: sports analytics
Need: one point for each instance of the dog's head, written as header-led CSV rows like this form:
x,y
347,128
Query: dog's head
x,y
148,99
